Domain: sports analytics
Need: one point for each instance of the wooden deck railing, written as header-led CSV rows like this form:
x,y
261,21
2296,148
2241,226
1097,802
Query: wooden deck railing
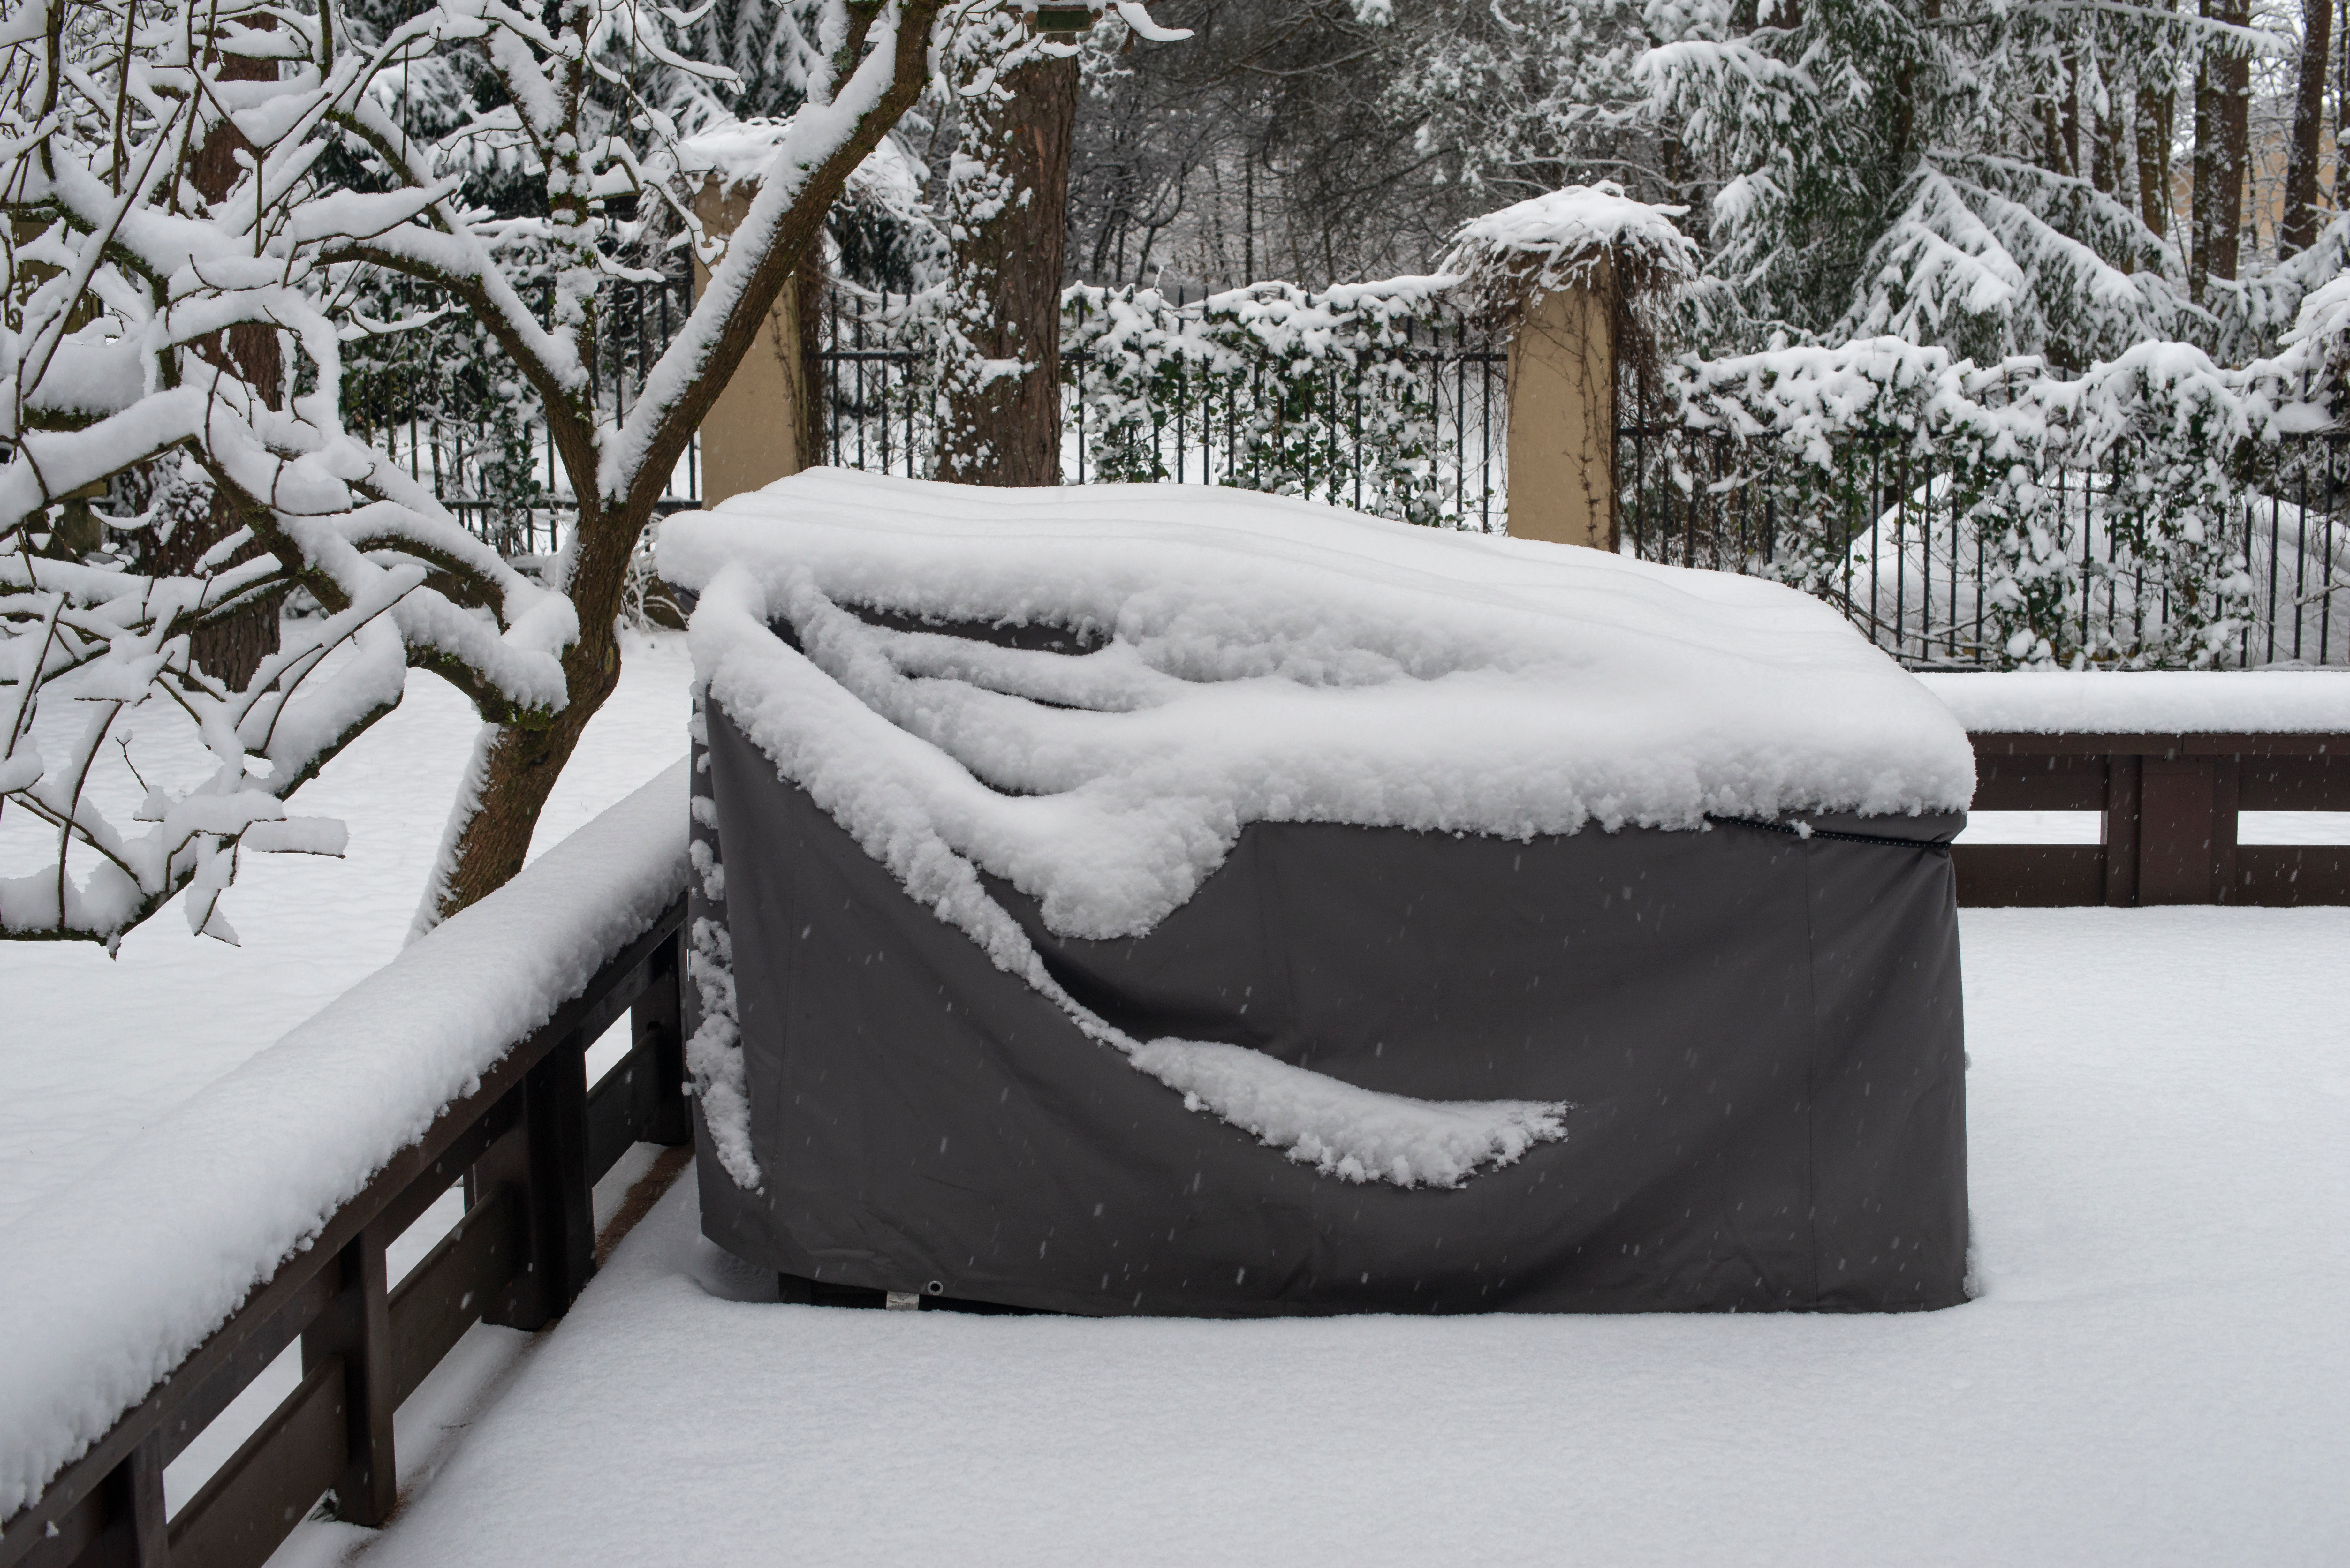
x,y
527,1147
2170,804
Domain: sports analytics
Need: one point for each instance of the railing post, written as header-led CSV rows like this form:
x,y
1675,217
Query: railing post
x,y
2122,830
658,1020
357,1329
2185,803
545,1160
134,1507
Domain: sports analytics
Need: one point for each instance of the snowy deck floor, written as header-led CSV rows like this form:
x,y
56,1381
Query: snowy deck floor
x,y
2156,1371
2161,1137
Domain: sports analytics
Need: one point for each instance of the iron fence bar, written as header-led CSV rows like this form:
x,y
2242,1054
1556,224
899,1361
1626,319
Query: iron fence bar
x,y
2276,540
2325,612
2300,560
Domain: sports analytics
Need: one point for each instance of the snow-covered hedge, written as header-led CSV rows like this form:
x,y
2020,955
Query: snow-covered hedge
x,y
1337,395
1356,395
2098,519
109,1285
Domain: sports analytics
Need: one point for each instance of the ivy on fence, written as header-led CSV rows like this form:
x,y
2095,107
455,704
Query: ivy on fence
x,y
1337,396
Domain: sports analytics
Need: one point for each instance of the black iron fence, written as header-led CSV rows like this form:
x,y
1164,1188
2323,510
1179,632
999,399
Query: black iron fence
x,y
1419,433
1407,418
1897,545
497,470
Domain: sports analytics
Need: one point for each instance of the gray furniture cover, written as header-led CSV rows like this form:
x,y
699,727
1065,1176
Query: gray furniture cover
x,y
1759,1032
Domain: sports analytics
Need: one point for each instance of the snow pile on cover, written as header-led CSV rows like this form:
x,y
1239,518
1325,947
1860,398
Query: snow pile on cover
x,y
107,1288
2151,701
1557,240
1262,658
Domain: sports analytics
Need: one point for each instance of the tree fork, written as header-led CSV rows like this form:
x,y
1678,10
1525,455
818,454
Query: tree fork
x,y
491,831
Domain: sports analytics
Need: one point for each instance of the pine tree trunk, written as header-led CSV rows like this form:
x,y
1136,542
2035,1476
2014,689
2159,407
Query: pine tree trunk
x,y
2222,116
2106,157
2156,113
1008,431
2298,231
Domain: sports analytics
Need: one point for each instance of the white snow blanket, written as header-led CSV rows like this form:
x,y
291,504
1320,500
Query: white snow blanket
x,y
105,1289
1256,659
2148,702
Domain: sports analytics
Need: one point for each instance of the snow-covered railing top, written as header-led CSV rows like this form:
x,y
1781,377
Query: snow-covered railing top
x,y
1260,659
2147,703
1559,240
107,1287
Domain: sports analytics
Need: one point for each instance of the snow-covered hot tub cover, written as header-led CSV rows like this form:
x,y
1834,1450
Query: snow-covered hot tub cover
x,y
1161,899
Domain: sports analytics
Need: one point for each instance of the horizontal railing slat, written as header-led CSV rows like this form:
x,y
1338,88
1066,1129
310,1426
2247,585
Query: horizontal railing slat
x,y
444,1294
272,1482
449,1166
2040,783
2029,875
80,1502
245,1363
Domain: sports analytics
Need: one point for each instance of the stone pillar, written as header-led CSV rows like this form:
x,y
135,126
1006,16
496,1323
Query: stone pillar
x,y
763,427
1562,443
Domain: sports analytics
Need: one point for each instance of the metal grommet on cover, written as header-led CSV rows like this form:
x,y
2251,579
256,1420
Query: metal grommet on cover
x,y
936,1287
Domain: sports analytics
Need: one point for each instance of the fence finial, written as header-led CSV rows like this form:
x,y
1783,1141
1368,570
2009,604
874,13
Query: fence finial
x,y
1560,271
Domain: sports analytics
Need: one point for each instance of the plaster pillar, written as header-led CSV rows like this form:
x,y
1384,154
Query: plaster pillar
x,y
1562,437
763,427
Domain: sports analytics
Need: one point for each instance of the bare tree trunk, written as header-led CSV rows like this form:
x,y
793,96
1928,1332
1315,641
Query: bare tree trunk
x,y
2298,231
1007,429
232,649
517,764
2222,123
514,774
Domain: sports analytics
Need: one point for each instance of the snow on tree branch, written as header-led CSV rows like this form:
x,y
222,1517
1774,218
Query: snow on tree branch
x,y
206,202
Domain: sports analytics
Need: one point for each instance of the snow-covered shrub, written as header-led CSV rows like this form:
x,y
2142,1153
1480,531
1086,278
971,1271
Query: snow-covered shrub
x,y
2095,519
1331,395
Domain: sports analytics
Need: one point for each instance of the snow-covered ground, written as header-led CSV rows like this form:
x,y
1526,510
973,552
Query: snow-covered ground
x,y
93,1048
2158,1107
2159,1104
